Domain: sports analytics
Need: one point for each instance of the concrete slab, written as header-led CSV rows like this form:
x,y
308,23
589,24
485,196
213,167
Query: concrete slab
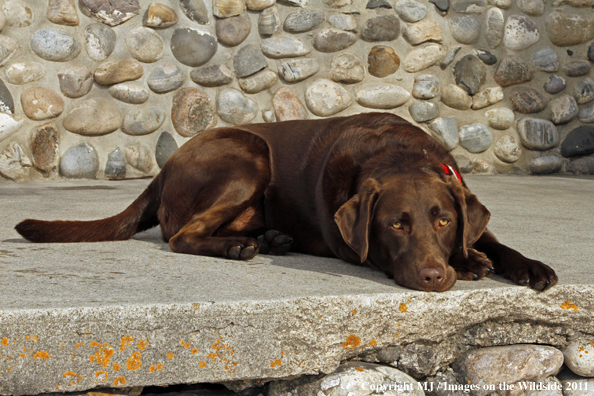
x,y
132,313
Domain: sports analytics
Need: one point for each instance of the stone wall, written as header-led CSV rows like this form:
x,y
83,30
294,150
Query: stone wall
x,y
108,89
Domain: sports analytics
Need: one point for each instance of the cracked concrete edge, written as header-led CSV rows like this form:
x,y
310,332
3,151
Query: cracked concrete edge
x,y
123,346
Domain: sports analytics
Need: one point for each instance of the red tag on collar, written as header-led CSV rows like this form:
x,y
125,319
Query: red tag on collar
x,y
448,170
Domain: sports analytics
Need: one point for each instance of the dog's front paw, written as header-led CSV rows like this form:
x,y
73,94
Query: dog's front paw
x,y
273,242
533,273
473,267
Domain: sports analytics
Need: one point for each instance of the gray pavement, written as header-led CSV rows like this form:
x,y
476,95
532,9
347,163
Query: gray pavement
x,y
69,311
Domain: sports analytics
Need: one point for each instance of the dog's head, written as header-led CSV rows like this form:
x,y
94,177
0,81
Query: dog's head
x,y
410,224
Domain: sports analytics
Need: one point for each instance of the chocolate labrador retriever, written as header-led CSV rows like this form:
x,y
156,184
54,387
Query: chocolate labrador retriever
x,y
370,189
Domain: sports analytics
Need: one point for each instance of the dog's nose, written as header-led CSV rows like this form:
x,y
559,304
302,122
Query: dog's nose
x,y
431,276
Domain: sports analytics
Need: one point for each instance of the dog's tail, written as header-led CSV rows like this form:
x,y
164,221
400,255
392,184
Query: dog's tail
x,y
139,216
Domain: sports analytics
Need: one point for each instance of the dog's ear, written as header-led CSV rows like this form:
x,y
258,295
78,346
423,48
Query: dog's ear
x,y
473,216
354,217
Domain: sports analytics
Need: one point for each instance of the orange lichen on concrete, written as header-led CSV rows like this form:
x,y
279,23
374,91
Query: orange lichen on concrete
x,y
116,367
93,344
126,342
352,342
359,369
354,311
119,382
372,342
569,305
152,369
194,351
159,366
102,354
72,377
101,375
142,344
22,355
134,362
4,341
41,355
403,308
275,363
202,364
79,345
170,355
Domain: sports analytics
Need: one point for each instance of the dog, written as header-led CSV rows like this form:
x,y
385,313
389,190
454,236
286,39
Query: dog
x,y
370,189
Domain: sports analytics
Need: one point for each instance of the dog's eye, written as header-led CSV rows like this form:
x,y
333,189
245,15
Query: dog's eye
x,y
397,225
443,222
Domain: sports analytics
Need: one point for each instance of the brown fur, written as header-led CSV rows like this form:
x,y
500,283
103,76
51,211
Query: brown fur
x,y
338,186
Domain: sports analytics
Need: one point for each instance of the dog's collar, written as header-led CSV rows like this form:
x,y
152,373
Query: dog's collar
x,y
448,170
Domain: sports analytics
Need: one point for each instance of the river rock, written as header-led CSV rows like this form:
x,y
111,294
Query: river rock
x,y
507,149
93,117
510,364
269,21
571,387
18,13
212,76
455,97
100,41
298,69
62,12
421,58
227,8
160,16
579,141
6,101
546,59
54,45
258,82
132,92
347,68
234,30
495,27
325,98
383,61
579,354
14,164
445,129
75,81
476,137
537,133
287,106
577,68
41,103
144,44
465,29
195,10
79,162
24,72
423,111
347,380
332,40
284,47
423,31
531,7
115,167
511,71
138,156
441,5
501,118
410,11
110,12
166,146
303,21
192,112
343,22
45,142
527,100
470,74
584,90
143,121
487,97
554,84
165,77
486,57
116,72
470,6
426,86
259,5
382,96
249,60
586,114
381,28
449,57
193,47
234,108
268,115
565,29
563,109
9,124
545,165
520,33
